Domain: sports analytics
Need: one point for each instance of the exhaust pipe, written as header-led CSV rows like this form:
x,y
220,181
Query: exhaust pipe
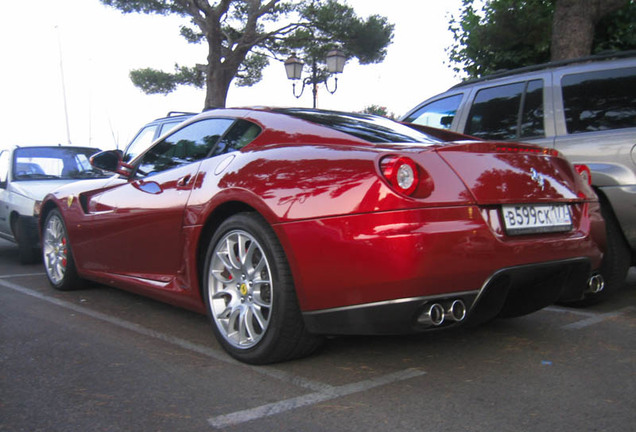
x,y
433,315
456,311
595,284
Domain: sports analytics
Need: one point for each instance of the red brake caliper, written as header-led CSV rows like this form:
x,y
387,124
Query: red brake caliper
x,y
64,250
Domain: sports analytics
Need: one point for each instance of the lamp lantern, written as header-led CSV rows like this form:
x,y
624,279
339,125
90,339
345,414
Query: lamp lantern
x,y
293,67
335,61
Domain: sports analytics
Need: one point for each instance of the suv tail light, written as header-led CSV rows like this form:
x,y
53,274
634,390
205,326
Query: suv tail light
x,y
584,171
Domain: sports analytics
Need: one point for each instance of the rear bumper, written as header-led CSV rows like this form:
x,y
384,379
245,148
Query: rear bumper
x,y
506,293
378,258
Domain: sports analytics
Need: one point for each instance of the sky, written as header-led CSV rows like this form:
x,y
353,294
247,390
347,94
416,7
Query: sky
x,y
68,62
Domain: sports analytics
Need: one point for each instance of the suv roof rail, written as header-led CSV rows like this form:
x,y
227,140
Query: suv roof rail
x,y
178,113
605,55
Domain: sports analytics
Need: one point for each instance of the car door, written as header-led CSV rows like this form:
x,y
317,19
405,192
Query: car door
x,y
137,225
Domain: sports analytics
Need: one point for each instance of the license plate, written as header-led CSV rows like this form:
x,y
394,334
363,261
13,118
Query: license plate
x,y
536,218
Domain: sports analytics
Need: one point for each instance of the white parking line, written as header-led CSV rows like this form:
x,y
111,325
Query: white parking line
x,y
321,391
310,399
592,317
595,319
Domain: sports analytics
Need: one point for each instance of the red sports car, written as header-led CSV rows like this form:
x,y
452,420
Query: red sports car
x,y
287,224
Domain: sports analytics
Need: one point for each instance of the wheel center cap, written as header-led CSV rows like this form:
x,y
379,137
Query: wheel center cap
x,y
243,288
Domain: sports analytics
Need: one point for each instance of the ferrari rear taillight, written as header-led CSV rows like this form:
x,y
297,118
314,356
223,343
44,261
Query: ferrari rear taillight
x,y
401,172
584,171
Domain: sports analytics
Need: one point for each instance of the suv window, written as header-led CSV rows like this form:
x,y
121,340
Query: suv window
x,y
600,100
167,127
508,112
140,142
439,113
192,143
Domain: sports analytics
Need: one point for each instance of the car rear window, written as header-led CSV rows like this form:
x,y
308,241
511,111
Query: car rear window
x,y
370,128
600,100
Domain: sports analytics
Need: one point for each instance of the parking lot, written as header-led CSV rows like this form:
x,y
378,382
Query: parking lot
x,y
102,359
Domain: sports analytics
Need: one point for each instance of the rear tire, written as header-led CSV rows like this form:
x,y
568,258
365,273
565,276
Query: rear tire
x,y
58,255
250,296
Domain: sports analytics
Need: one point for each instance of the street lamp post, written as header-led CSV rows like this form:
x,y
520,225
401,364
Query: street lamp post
x,y
294,68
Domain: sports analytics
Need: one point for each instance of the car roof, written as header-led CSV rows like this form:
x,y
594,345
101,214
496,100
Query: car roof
x,y
549,65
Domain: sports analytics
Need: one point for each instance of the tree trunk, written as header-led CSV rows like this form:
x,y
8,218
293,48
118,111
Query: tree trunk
x,y
573,25
216,89
222,68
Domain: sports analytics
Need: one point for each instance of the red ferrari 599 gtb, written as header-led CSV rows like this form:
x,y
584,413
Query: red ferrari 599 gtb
x,y
284,225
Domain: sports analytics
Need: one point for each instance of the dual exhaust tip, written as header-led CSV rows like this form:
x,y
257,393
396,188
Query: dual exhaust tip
x,y
435,314
595,284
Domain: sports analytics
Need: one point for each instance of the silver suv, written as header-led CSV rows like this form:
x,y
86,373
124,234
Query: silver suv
x,y
585,108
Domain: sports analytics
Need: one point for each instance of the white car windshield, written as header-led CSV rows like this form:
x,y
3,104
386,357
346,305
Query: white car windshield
x,y
38,163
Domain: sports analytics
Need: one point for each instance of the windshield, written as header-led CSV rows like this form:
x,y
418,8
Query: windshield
x,y
39,163
371,128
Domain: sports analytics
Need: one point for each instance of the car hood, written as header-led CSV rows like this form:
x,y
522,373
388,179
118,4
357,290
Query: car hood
x,y
37,189
83,186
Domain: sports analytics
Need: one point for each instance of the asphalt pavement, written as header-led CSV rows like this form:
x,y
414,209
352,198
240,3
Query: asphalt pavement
x,y
102,359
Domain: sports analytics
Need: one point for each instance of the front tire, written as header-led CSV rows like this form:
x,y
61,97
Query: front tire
x,y
58,255
250,295
28,253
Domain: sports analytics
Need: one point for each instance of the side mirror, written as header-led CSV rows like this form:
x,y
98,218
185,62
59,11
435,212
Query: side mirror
x,y
110,160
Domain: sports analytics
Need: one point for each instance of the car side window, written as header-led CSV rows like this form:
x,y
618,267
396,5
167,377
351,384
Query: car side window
x,y
439,113
600,100
141,142
192,143
241,134
508,112
4,167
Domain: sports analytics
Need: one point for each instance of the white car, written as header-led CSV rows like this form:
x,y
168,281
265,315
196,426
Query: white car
x,y
27,174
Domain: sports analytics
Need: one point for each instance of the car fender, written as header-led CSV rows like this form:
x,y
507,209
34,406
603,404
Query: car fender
x,y
611,174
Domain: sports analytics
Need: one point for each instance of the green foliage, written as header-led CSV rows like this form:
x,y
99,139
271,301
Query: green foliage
x,y
153,81
328,24
161,7
380,111
617,31
507,34
503,34
251,71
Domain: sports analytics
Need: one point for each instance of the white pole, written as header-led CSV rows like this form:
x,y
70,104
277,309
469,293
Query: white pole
x,y
59,44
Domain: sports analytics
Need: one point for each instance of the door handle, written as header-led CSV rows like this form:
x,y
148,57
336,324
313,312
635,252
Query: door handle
x,y
183,181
